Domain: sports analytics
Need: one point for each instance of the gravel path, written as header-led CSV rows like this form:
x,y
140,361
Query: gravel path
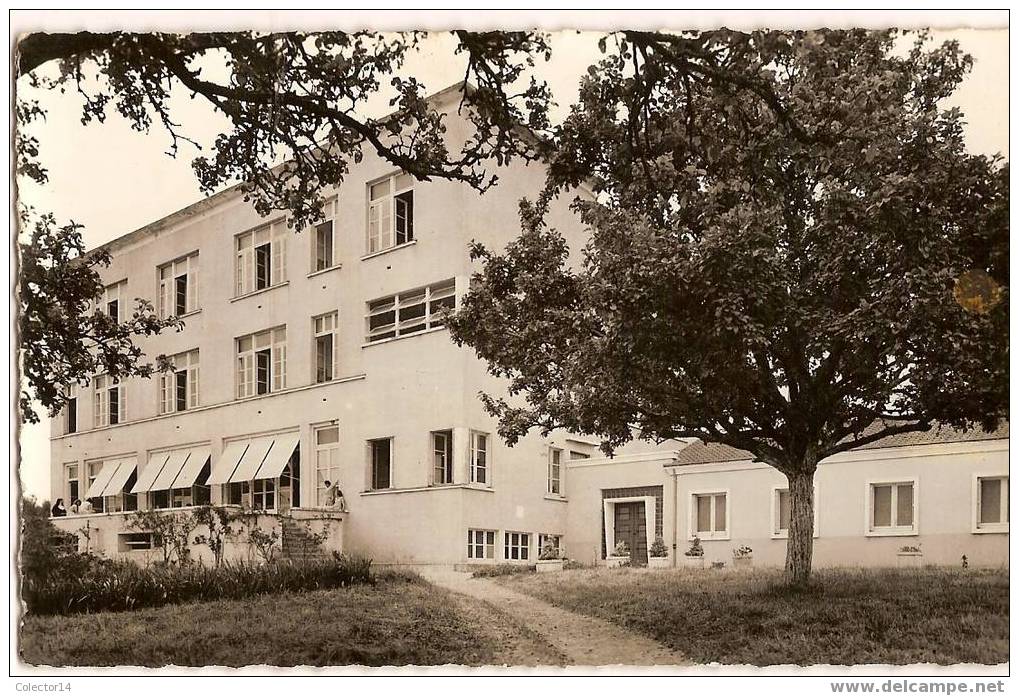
x,y
580,640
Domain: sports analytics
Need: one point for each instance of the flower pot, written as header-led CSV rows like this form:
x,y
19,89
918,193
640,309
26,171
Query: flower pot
x,y
552,566
909,559
616,561
693,561
743,562
658,562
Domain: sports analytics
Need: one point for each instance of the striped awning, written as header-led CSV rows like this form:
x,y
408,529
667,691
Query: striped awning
x,y
283,447
227,462
125,467
174,463
103,479
252,459
147,476
196,459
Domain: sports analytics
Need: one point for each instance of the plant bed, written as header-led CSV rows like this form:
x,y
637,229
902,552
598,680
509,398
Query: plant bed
x,y
658,562
909,559
692,561
658,554
553,565
617,561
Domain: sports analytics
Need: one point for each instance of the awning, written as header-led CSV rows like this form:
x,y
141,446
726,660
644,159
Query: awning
x,y
174,463
147,476
282,448
252,459
197,456
105,474
125,467
227,462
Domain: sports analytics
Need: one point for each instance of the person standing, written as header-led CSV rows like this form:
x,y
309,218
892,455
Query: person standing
x,y
58,509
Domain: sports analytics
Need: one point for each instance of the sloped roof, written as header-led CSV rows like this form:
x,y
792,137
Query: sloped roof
x,y
717,453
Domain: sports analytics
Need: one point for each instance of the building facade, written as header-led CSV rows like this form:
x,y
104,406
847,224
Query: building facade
x,y
313,356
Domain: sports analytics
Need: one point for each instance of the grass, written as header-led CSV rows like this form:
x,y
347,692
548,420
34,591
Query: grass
x,y
848,616
500,569
400,620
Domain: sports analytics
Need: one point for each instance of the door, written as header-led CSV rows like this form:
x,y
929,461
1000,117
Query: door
x,y
631,527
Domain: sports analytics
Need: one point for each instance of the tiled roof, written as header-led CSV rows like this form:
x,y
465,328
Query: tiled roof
x,y
716,453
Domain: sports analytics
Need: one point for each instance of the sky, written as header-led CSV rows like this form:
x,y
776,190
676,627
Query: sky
x,y
113,180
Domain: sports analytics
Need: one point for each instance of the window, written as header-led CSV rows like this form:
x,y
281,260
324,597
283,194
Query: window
x,y
123,501
991,513
710,515
781,512
112,300
261,259
262,362
326,348
555,469
518,546
71,410
442,457
480,544
574,455
137,541
178,389
108,402
390,212
327,459
92,470
553,540
381,452
892,508
159,500
239,493
263,494
323,243
72,487
479,459
178,286
409,312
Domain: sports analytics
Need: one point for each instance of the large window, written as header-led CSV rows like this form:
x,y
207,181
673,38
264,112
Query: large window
x,y
261,259
555,471
327,461
326,349
390,212
992,513
72,486
480,544
178,286
409,312
112,301
892,508
262,362
480,459
323,243
710,515
381,453
108,401
517,547
442,457
178,389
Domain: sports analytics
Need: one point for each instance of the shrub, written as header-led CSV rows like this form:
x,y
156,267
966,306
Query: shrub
x,y
743,551
658,549
909,548
548,553
621,549
695,548
492,571
104,585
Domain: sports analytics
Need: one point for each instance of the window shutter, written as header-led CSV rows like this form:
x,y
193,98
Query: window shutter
x,y
387,223
163,295
193,284
279,366
121,404
193,387
279,257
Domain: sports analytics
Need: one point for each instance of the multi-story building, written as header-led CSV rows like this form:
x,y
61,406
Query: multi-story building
x,y
319,355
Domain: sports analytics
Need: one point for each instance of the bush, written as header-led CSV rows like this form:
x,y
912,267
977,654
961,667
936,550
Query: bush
x,y
105,585
658,548
494,571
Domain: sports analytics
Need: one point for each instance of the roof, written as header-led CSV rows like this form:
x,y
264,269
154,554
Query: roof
x,y
717,453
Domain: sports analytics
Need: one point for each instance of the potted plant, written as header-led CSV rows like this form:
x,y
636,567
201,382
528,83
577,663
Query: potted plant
x,y
619,556
549,560
694,556
658,554
742,556
910,556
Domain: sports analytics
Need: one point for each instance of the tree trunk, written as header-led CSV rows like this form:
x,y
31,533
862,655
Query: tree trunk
x,y
800,545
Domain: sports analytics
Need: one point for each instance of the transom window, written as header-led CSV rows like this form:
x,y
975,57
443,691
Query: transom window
x,y
323,245
992,512
261,259
710,514
108,401
390,212
262,362
517,546
112,300
178,286
178,389
480,544
410,312
442,457
893,508
326,350
381,454
480,459
555,468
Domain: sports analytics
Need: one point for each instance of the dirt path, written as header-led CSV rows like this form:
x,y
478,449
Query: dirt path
x,y
581,640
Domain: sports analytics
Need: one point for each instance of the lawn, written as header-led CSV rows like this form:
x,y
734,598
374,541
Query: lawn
x,y
849,616
399,621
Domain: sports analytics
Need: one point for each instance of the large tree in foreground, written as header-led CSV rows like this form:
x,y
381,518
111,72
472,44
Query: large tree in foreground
x,y
791,253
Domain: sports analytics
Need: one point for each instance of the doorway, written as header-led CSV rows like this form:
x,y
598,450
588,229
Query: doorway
x,y
630,525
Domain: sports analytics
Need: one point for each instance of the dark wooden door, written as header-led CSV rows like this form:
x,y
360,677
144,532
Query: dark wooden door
x,y
631,527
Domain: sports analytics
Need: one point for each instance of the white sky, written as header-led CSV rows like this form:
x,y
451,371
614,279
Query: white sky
x,y
114,180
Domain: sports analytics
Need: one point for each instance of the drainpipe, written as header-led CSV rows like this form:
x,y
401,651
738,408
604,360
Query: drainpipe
x,y
675,517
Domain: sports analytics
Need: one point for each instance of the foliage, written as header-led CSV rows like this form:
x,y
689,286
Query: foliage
x,y
265,544
217,520
696,549
500,569
910,548
742,551
107,585
847,616
44,548
171,529
779,224
621,549
658,548
549,552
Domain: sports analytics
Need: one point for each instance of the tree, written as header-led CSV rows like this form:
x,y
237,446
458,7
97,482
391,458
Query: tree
x,y
293,101
780,223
